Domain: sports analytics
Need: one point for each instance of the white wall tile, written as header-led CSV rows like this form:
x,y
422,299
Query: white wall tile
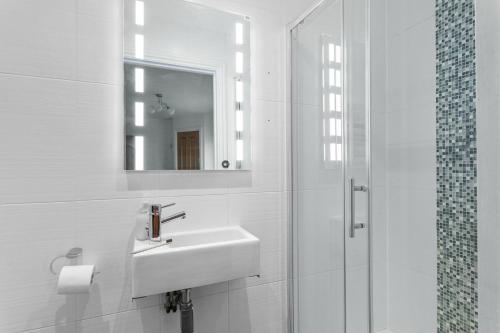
x,y
410,179
203,212
412,301
100,45
268,153
412,166
257,309
412,230
137,321
38,156
260,214
44,44
404,14
321,306
488,124
28,287
269,54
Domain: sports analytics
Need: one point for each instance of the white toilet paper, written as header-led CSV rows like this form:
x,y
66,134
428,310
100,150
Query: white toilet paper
x,y
75,279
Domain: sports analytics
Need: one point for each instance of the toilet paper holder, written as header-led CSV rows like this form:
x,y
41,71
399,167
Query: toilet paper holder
x,y
73,253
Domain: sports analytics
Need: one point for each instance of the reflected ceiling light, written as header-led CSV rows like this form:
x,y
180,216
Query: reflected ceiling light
x,y
160,107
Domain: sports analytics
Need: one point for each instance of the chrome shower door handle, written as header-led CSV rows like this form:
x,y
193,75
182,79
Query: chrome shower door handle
x,y
353,226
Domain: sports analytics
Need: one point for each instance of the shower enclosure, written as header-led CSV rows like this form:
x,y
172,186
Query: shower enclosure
x,y
330,122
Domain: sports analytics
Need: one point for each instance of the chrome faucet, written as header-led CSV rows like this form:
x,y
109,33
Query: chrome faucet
x,y
155,220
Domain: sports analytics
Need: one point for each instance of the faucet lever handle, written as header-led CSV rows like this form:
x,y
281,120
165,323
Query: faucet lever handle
x,y
168,205
147,208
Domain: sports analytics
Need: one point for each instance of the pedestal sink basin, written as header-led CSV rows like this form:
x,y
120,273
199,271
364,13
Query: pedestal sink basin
x,y
194,259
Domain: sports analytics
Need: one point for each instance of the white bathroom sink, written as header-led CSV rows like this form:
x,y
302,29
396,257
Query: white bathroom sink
x,y
194,259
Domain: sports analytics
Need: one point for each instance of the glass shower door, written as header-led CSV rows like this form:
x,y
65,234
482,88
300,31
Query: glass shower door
x,y
330,170
357,158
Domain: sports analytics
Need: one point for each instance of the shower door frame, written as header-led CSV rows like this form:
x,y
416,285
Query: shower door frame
x,y
290,142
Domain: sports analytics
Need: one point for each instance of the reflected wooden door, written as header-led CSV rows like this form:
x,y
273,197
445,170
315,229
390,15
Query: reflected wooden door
x,y
188,150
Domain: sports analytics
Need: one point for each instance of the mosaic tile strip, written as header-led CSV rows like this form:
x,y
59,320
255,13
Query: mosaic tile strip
x,y
456,167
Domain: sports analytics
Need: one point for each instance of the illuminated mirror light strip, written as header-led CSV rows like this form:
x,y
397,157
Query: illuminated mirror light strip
x,y
239,150
331,102
331,75
139,12
239,121
139,80
239,62
335,152
139,153
239,91
139,114
332,127
239,34
139,46
331,52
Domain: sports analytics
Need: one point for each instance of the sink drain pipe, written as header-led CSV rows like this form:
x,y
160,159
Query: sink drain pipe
x,y
181,299
186,307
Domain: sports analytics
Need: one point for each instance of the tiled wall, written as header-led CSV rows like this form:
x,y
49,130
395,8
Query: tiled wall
x,y
424,133
411,165
62,184
456,166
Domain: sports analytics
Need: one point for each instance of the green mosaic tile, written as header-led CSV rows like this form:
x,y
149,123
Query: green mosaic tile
x,y
456,167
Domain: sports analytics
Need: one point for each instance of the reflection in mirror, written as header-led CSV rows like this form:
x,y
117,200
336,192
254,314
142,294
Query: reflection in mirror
x,y
173,114
187,87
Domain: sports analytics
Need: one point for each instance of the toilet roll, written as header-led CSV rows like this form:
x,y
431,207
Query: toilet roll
x,y
75,279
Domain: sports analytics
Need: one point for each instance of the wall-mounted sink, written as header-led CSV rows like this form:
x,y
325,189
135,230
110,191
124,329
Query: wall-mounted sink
x,y
194,259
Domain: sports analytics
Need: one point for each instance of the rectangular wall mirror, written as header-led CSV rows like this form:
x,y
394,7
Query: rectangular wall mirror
x,y
186,87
